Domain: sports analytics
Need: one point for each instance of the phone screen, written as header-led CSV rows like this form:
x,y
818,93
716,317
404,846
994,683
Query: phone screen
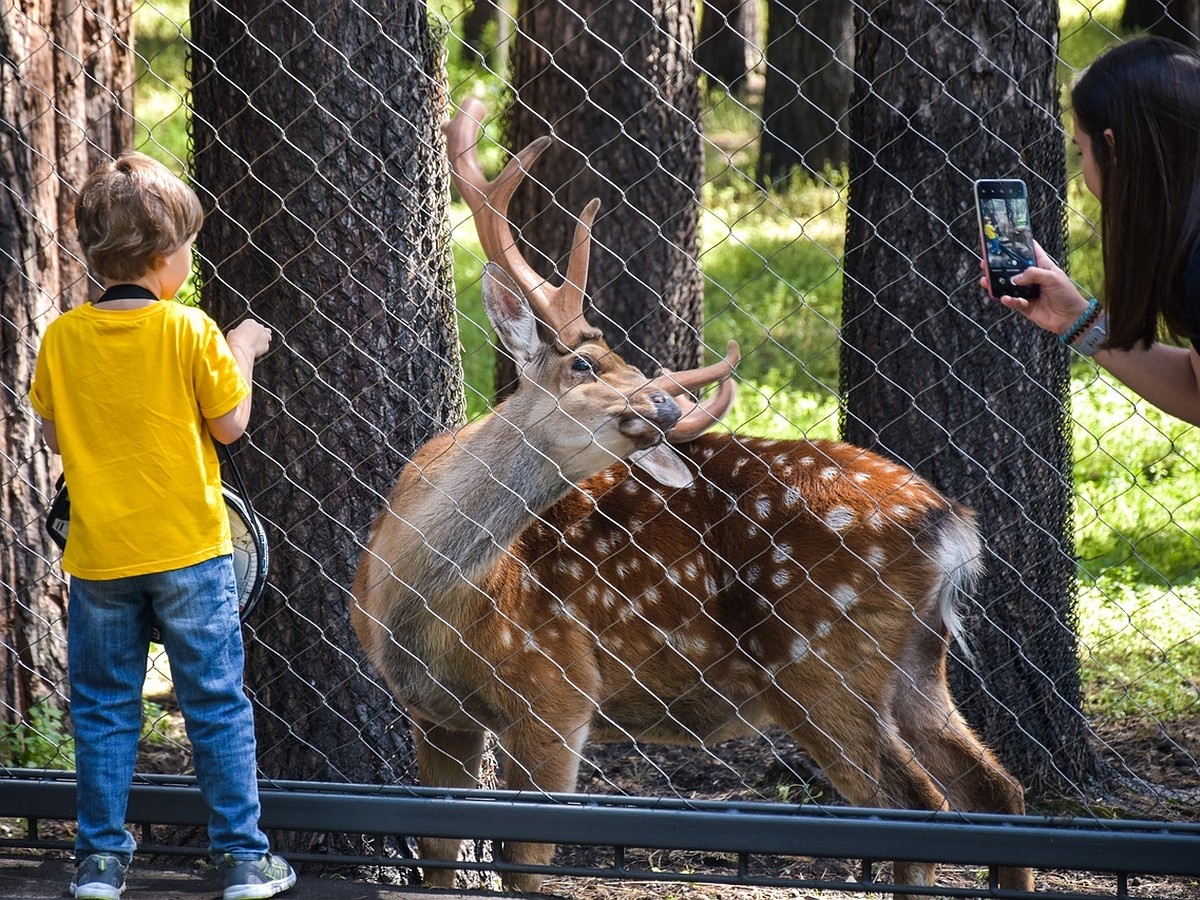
x,y
1003,208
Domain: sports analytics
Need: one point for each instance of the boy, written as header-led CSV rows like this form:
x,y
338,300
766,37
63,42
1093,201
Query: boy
x,y
131,391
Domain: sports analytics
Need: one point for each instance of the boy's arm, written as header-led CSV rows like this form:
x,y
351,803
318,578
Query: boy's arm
x,y
50,434
247,342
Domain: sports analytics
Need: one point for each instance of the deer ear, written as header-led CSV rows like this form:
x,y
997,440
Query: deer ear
x,y
509,312
664,465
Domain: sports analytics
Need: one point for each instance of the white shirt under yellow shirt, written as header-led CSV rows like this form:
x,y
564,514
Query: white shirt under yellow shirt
x,y
128,392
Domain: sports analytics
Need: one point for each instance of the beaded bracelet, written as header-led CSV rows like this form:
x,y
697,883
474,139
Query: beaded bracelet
x,y
1081,323
1094,339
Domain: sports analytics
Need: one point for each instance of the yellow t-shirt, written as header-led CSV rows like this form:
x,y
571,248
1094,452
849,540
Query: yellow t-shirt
x,y
128,392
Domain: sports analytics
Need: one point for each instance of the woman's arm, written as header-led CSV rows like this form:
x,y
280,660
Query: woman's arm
x,y
1168,377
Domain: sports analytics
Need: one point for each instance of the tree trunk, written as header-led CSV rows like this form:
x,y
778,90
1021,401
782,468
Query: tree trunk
x,y
325,182
936,376
475,22
614,83
810,64
65,103
728,45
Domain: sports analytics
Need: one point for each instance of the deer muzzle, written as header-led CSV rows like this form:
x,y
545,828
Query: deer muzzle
x,y
649,416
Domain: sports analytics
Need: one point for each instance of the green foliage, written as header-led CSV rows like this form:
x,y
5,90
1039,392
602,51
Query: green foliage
x,y
42,740
159,729
162,89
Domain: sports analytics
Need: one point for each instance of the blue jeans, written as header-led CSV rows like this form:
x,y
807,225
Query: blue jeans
x,y
108,637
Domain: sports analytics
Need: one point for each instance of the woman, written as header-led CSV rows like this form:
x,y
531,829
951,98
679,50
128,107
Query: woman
x,y
1137,127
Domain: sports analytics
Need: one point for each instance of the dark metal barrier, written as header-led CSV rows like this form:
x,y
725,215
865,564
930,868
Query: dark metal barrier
x,y
1120,847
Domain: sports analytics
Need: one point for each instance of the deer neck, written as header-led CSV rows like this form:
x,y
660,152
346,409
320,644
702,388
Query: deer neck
x,y
480,491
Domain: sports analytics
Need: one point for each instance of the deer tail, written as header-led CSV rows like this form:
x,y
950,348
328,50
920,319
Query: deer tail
x,y
958,553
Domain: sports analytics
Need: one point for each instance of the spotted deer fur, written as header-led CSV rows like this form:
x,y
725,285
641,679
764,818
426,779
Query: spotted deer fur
x,y
525,579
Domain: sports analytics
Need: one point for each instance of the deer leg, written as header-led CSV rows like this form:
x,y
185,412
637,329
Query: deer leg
x,y
543,758
861,752
971,776
445,758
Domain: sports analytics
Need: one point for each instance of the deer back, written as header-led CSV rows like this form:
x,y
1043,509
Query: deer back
x,y
690,603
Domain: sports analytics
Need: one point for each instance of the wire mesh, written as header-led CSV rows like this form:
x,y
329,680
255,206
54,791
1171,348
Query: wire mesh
x,y
746,638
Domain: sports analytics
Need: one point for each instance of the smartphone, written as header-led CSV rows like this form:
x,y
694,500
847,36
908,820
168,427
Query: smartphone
x,y
1002,205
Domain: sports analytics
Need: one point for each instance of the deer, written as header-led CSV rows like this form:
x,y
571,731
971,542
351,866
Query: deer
x,y
592,561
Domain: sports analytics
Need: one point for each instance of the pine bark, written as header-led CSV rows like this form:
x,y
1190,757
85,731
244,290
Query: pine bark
x,y
320,159
728,47
810,76
938,377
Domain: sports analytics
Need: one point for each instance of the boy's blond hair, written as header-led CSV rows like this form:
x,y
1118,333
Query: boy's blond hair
x,y
131,212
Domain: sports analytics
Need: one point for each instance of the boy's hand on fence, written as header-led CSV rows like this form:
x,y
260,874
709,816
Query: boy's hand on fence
x,y
1060,303
252,336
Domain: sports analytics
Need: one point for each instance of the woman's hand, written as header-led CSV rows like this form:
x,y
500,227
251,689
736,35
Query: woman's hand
x,y
1060,303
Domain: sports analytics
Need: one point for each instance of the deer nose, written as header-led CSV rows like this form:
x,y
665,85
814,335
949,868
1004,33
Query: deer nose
x,y
666,410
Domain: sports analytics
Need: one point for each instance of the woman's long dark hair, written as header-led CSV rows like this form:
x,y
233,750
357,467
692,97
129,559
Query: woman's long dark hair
x,y
1147,91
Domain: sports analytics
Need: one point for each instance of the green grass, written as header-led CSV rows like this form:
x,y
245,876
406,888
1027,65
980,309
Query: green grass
x,y
162,90
771,263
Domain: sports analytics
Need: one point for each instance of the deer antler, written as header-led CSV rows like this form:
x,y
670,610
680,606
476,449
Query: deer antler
x,y
699,416
559,308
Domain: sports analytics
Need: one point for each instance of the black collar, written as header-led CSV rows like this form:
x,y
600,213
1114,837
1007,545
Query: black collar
x,y
127,292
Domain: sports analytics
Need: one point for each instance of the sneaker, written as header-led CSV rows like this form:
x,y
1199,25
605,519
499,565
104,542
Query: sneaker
x,y
256,879
100,876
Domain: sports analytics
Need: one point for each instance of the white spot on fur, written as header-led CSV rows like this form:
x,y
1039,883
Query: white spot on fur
x,y
762,506
781,553
800,647
875,558
844,596
839,518
791,496
782,578
822,630
829,473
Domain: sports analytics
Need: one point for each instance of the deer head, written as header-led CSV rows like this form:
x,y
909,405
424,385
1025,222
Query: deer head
x,y
601,404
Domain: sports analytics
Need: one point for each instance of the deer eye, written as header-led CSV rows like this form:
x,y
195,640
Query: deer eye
x,y
581,364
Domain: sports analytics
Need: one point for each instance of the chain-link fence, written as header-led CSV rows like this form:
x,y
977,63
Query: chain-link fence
x,y
756,616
